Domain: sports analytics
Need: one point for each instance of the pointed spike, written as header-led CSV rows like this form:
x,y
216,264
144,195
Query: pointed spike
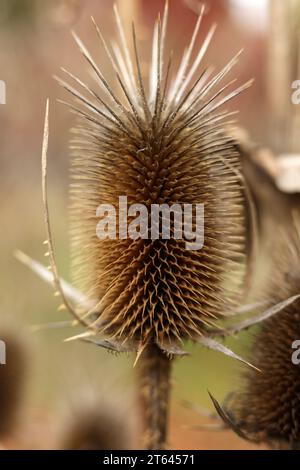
x,y
140,78
107,344
197,62
186,59
125,47
270,312
86,334
227,419
215,346
95,68
139,353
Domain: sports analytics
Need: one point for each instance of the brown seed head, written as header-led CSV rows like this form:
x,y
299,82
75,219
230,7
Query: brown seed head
x,y
12,376
267,408
163,145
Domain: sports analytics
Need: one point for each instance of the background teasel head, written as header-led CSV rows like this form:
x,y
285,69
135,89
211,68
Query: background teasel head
x,y
12,379
95,424
266,409
162,144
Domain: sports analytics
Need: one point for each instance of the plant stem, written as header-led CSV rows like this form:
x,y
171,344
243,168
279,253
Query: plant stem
x,y
154,390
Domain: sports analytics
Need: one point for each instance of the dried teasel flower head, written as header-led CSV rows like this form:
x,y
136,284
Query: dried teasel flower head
x,y
155,146
94,424
266,409
12,377
161,144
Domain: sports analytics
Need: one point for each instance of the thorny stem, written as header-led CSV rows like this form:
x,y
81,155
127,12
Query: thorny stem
x,y
154,370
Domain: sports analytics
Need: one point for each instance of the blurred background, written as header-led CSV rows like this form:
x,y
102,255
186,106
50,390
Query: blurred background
x,y
35,41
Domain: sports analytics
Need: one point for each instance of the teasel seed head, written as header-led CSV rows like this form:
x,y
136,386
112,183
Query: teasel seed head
x,y
12,379
266,408
165,144
96,425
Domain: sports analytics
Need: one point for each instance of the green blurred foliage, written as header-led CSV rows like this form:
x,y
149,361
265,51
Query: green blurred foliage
x,y
14,13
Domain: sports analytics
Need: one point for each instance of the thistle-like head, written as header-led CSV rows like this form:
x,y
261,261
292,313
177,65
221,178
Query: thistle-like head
x,y
165,144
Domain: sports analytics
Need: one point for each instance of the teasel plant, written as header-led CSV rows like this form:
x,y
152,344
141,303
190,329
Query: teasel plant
x,y
93,421
164,143
266,407
13,379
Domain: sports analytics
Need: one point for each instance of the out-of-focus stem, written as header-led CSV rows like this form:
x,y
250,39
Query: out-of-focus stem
x,y
154,391
278,80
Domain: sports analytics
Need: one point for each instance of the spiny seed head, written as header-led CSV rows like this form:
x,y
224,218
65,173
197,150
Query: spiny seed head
x,y
12,377
95,428
162,144
267,408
